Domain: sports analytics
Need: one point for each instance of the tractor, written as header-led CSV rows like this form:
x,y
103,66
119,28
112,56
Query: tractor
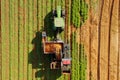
x,y
59,51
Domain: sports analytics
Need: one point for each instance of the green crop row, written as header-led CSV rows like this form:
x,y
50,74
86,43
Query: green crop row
x,y
79,12
75,57
79,62
82,63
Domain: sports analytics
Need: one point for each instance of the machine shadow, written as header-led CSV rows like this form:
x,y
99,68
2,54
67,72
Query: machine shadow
x,y
37,58
48,25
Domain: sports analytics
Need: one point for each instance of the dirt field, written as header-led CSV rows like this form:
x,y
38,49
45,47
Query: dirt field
x,y
95,46
100,36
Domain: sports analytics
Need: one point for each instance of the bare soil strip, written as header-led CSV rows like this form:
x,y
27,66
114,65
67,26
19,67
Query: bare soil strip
x,y
118,56
66,20
90,70
99,40
109,37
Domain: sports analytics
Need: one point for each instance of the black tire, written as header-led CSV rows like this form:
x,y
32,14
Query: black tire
x,y
63,13
54,13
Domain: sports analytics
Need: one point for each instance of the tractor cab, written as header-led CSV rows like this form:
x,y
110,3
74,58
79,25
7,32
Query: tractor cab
x,y
59,20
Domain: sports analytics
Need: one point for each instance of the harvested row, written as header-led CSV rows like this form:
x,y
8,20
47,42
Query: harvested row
x,y
103,48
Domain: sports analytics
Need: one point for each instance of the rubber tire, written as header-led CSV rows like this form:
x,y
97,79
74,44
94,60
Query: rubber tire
x,y
63,13
54,12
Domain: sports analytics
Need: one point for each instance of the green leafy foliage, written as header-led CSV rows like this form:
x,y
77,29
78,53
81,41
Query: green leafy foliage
x,y
79,12
79,60
82,63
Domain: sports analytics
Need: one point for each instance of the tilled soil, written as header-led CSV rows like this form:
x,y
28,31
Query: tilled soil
x,y
100,37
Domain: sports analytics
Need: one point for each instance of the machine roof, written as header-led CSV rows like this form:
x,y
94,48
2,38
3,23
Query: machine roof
x,y
59,22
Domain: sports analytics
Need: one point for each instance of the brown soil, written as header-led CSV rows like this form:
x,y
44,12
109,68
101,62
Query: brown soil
x,y
100,37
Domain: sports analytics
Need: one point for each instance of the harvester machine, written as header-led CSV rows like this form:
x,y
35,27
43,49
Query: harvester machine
x,y
58,50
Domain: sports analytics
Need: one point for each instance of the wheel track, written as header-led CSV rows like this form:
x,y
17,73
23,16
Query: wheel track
x,y
99,40
7,40
66,21
109,37
90,70
90,45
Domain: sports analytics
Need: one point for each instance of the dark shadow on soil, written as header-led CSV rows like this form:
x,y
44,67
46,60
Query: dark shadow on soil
x,y
36,55
38,59
49,26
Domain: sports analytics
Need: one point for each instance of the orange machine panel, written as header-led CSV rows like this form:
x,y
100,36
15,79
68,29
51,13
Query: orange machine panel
x,y
51,47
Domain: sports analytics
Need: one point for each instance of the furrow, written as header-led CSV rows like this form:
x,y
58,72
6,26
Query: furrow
x,y
30,38
20,39
11,30
16,40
